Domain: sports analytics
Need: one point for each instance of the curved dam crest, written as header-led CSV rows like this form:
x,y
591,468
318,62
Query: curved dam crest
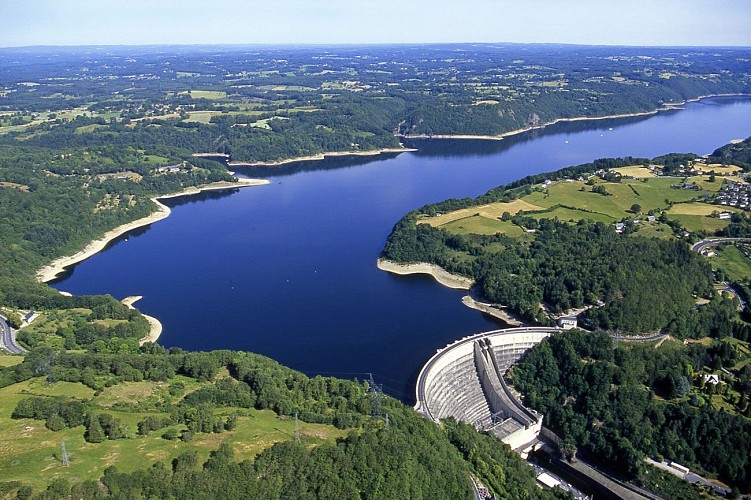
x,y
464,380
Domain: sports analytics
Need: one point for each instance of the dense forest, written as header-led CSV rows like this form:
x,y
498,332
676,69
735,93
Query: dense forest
x,y
634,285
645,284
410,456
619,403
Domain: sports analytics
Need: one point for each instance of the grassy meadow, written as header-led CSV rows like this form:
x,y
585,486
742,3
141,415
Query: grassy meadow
x,y
733,261
31,453
573,201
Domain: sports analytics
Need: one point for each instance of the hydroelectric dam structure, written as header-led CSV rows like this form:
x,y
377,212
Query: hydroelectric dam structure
x,y
464,380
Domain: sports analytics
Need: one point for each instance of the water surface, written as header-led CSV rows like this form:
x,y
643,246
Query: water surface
x,y
288,269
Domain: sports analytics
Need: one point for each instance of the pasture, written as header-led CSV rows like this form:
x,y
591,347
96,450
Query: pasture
x,y
570,200
490,211
718,168
636,171
731,260
33,455
207,94
478,224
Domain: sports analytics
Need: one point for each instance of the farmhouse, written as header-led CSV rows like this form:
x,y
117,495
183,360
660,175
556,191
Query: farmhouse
x,y
712,378
168,169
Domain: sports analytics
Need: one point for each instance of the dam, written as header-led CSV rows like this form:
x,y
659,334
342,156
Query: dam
x,y
464,380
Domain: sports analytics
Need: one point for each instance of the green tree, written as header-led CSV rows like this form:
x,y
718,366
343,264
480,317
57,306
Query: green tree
x,y
94,431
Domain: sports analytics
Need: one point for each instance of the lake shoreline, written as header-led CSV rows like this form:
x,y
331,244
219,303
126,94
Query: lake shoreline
x,y
442,276
53,269
155,326
449,280
500,137
318,157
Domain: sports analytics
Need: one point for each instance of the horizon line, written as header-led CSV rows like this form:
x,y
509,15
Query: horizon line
x,y
363,44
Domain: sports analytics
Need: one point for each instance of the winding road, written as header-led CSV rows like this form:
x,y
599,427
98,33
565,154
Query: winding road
x,y
8,338
702,245
710,242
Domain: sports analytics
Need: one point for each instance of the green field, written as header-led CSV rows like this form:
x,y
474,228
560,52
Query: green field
x,y
10,359
155,160
477,224
33,456
201,116
656,230
703,182
88,128
573,215
574,200
694,223
731,260
207,94
650,194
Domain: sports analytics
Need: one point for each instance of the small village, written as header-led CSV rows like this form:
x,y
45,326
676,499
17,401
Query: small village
x,y
733,194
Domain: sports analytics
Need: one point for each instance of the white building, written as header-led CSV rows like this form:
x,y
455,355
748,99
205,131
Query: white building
x,y
567,322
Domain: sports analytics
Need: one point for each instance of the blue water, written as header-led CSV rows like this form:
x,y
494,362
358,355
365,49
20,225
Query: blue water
x,y
288,269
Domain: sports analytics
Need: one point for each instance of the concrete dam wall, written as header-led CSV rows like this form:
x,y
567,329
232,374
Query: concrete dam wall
x,y
464,380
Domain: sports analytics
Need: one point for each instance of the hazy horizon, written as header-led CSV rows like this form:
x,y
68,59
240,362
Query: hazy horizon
x,y
639,23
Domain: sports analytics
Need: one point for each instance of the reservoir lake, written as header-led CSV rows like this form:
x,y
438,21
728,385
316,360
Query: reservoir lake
x,y
288,270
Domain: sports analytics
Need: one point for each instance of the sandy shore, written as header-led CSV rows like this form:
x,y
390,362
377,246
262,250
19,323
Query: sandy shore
x,y
318,157
438,273
155,326
449,280
492,311
50,272
210,155
666,107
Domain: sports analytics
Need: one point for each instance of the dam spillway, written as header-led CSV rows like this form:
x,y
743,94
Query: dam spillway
x,y
464,380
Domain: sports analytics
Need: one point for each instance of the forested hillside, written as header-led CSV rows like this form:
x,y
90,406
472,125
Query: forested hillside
x,y
275,104
620,403
738,153
225,394
536,265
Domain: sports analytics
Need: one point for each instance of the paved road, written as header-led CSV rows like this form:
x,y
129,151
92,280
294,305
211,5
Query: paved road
x,y
690,476
8,338
727,288
701,245
638,338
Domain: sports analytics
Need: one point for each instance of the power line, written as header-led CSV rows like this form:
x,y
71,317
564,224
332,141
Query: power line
x,y
297,429
376,398
66,459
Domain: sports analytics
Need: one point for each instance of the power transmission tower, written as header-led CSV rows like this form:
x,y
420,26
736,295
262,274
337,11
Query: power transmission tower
x,y
297,429
387,421
376,398
66,459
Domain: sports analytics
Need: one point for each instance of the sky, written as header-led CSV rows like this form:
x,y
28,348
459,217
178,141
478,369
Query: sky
x,y
593,22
